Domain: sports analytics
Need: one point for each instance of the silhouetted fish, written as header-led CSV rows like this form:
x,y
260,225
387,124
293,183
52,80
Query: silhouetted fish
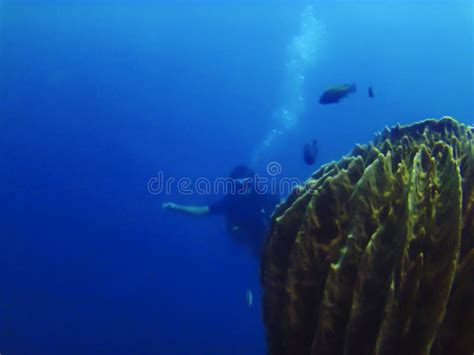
x,y
371,92
334,94
310,152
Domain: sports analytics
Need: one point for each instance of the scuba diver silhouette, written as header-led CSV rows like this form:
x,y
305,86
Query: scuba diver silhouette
x,y
247,211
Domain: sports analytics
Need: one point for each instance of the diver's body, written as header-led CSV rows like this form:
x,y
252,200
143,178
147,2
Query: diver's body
x,y
247,212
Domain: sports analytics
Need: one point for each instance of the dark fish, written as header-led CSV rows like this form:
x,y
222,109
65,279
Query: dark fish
x,y
371,92
334,94
310,152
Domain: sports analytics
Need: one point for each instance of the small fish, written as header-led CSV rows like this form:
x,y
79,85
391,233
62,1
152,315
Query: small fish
x,y
371,92
249,298
334,94
310,152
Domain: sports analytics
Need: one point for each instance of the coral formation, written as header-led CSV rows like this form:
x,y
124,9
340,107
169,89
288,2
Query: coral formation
x,y
375,253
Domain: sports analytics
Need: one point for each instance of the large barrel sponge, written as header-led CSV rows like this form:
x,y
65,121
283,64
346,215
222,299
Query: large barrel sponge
x,y
375,253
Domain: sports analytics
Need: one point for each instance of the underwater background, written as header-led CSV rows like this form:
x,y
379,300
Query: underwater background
x,y
97,98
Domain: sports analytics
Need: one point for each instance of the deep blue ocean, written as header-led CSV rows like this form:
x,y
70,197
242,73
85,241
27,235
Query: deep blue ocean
x,y
98,98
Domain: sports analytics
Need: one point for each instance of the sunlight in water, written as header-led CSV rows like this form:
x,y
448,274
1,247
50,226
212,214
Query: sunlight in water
x,y
302,53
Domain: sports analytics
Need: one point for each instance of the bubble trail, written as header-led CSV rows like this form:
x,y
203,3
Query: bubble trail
x,y
302,54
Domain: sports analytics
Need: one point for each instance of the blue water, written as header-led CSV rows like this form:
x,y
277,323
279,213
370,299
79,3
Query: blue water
x,y
99,97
